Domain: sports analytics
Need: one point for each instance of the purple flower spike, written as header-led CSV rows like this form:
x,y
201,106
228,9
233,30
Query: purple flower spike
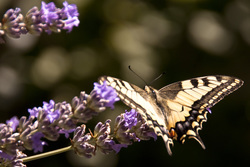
x,y
13,123
37,144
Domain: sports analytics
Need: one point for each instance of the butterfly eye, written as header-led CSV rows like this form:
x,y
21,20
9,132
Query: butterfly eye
x,y
153,92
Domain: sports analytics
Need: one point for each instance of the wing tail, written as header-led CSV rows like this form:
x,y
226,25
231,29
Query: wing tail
x,y
167,142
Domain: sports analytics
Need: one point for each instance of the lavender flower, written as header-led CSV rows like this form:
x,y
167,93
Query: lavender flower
x,y
65,121
103,96
104,141
8,142
26,129
49,19
35,111
37,144
70,16
130,126
53,119
15,161
80,142
66,132
48,118
18,162
33,21
87,106
13,123
52,114
49,13
130,119
142,129
13,23
122,130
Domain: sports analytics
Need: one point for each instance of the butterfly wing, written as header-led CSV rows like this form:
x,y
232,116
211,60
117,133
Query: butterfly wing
x,y
188,103
130,94
142,102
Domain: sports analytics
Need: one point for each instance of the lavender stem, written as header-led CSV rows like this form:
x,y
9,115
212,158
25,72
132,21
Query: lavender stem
x,y
47,154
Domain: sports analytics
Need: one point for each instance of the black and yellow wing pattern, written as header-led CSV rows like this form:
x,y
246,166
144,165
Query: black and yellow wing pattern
x,y
178,110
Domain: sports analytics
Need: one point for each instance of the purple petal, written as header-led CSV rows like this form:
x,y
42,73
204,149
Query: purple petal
x,y
70,14
48,12
117,147
5,156
107,93
37,144
13,122
130,118
208,109
66,132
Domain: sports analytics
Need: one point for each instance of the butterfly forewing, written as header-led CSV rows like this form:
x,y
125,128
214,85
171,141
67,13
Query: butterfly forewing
x,y
177,110
142,102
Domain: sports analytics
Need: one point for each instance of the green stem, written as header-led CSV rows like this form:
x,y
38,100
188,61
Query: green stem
x,y
47,154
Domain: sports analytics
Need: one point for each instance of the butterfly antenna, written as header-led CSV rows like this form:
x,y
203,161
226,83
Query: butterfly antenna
x,y
158,77
129,67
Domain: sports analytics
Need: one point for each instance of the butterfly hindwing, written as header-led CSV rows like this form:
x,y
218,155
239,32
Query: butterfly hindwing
x,y
189,101
202,92
178,110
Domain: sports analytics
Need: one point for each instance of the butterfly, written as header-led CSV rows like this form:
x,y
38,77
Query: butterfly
x,y
178,110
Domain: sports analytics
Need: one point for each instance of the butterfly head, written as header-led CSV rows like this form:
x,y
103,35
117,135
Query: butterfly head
x,y
151,91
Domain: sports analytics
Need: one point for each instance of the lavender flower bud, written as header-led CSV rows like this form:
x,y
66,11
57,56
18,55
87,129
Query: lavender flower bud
x,y
47,119
30,137
87,106
49,129
64,121
13,123
33,21
102,96
16,161
104,141
81,112
13,24
80,142
130,126
9,144
23,124
142,130
123,125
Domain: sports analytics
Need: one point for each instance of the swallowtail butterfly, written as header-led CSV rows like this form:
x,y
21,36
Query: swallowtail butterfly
x,y
178,110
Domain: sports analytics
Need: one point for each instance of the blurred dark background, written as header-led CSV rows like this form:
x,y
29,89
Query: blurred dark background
x,y
184,38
